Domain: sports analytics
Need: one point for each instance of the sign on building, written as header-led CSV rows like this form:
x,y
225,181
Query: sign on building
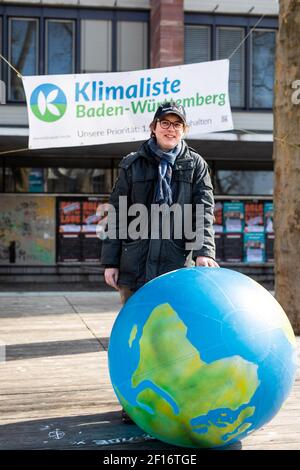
x,y
100,108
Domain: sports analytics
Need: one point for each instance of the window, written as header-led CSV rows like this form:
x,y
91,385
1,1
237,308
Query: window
x,y
78,180
96,59
228,39
197,44
69,40
23,53
263,68
24,180
60,46
252,65
198,48
57,180
235,182
132,50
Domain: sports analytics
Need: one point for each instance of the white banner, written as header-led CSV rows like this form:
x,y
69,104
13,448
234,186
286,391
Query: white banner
x,y
100,108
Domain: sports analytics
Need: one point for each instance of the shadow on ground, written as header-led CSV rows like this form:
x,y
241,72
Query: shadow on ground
x,y
103,431
16,352
55,286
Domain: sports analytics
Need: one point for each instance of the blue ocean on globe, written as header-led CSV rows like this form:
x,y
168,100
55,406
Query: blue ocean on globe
x,y
202,357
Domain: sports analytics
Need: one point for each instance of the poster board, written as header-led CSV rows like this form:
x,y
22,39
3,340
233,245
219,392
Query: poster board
x,y
254,247
27,223
254,216
218,217
233,213
78,219
270,239
233,247
268,217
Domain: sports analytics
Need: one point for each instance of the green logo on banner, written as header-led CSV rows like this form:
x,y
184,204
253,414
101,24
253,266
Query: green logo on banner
x,y
48,102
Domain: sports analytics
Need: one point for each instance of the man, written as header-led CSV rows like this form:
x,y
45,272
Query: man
x,y
163,172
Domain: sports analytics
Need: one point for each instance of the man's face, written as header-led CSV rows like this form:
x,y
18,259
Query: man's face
x,y
168,138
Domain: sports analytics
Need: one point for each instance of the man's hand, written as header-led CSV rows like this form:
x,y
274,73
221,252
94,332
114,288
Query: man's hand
x,y
111,276
207,262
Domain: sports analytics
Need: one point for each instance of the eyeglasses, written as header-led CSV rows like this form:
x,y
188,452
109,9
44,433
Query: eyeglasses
x,y
165,124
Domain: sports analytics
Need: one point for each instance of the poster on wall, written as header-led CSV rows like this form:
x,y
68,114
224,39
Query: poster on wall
x,y
90,218
91,244
69,213
218,216
219,242
78,238
91,247
270,238
69,247
27,229
254,247
233,213
254,216
268,217
36,180
233,247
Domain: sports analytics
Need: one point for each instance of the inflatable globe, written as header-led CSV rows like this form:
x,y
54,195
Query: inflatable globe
x,y
202,357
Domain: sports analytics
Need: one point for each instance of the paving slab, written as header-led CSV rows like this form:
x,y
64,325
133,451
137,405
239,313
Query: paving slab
x,y
55,391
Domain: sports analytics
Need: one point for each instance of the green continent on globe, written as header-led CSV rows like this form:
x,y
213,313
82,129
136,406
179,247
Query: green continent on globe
x,y
132,335
181,398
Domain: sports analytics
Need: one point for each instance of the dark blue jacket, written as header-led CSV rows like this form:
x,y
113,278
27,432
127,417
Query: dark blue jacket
x,y
144,259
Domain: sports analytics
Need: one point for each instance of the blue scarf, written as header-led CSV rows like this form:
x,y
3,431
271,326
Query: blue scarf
x,y
163,192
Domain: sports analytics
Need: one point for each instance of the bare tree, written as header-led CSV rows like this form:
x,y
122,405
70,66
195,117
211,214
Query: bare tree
x,y
287,163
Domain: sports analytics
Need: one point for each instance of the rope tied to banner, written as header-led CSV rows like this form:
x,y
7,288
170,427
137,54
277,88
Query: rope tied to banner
x,y
246,37
11,66
14,151
19,75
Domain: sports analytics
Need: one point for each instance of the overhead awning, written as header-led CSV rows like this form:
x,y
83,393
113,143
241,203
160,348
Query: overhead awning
x,y
215,146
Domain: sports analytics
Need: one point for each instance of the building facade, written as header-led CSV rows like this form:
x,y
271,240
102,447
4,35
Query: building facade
x,y
48,197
